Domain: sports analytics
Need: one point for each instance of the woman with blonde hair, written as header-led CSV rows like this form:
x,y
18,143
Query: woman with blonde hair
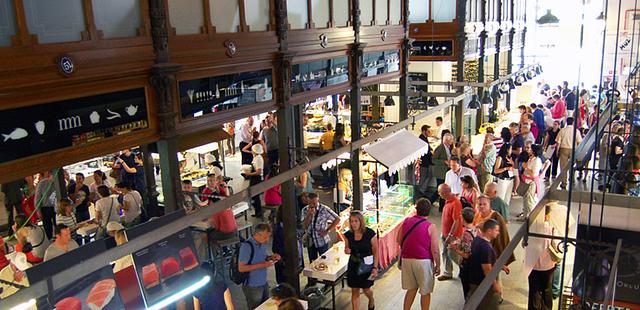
x,y
344,194
362,246
466,157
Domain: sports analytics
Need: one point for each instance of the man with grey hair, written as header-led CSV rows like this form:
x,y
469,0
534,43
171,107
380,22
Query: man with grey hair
x,y
451,225
497,204
253,258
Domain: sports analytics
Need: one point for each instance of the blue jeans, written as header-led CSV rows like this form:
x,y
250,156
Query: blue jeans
x,y
255,295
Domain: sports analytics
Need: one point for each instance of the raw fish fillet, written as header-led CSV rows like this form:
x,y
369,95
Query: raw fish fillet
x,y
150,275
169,266
101,294
188,258
69,303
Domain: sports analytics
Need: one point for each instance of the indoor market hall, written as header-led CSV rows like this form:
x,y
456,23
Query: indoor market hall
x,y
319,154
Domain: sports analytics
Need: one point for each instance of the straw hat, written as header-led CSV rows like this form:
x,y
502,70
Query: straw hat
x,y
257,148
208,159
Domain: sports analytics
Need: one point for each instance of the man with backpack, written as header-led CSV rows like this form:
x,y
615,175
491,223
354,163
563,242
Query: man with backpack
x,y
253,262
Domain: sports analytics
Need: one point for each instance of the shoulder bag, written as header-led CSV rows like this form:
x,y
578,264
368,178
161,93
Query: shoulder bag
x,y
404,238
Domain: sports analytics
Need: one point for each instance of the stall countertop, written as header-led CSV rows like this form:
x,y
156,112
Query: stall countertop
x,y
270,304
336,261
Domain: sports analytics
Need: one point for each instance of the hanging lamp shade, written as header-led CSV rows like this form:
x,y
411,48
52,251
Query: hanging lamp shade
x,y
538,69
487,100
474,103
519,80
432,102
389,102
504,87
511,83
548,18
531,74
495,92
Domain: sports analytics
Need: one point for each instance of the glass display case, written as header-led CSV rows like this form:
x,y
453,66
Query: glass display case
x,y
318,74
376,63
214,94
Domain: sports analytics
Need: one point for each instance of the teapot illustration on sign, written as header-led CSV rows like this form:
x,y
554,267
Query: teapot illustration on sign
x,y
131,110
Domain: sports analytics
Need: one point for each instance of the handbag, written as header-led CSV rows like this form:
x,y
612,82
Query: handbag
x,y
404,238
363,267
523,188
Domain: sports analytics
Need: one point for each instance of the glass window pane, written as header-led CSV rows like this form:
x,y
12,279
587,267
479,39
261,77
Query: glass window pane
x,y
7,22
341,13
225,15
444,10
366,12
257,12
55,21
381,12
320,13
186,16
220,93
396,11
297,13
318,74
117,18
419,11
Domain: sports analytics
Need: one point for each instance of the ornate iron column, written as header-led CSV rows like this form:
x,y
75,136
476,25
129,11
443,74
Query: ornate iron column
x,y
163,80
286,121
357,51
461,38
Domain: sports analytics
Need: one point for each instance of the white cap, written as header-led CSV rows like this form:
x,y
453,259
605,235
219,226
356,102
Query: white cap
x,y
208,158
257,148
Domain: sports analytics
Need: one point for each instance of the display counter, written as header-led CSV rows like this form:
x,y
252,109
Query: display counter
x,y
394,205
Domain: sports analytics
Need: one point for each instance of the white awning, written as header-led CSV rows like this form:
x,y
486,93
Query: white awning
x,y
398,150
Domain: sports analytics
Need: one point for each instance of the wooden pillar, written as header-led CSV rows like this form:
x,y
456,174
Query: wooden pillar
x,y
403,108
287,142
163,80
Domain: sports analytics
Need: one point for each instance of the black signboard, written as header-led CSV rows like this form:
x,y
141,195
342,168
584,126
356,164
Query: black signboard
x,y
214,94
432,48
167,267
43,128
376,63
97,290
318,74
592,268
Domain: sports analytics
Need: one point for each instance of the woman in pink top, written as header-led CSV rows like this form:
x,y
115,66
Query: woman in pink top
x,y
420,257
470,191
272,196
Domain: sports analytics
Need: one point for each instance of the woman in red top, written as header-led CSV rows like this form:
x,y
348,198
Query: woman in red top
x,y
582,107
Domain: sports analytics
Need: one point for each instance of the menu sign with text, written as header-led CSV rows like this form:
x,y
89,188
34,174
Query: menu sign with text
x,y
47,127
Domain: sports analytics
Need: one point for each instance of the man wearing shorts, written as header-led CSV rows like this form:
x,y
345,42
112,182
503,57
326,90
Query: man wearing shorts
x,y
419,255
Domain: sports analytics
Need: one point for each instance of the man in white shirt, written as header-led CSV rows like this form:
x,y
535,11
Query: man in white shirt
x,y
246,135
62,244
565,142
456,171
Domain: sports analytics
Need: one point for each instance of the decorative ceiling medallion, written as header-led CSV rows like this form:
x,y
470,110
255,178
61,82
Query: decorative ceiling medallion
x,y
324,40
383,34
232,47
416,30
66,65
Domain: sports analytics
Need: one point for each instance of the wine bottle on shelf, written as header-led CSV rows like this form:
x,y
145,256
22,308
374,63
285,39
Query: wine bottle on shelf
x,y
217,91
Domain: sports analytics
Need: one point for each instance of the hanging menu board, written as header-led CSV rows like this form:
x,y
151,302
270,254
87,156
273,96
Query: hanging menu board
x,y
47,127
97,290
167,267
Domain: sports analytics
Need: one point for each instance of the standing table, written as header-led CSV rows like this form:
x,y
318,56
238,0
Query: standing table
x,y
336,261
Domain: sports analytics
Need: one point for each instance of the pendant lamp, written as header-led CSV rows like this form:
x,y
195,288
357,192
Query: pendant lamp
x,y
548,18
432,102
389,102
511,83
519,80
487,100
474,103
504,87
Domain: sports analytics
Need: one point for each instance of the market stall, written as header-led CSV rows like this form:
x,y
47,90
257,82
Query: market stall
x,y
322,111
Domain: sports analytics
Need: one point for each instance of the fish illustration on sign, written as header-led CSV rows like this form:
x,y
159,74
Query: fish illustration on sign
x,y
16,134
113,115
40,127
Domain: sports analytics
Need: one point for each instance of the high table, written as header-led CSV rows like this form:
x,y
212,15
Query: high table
x,y
336,261
270,304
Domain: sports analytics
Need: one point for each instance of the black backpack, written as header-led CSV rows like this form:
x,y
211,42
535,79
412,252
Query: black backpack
x,y
234,273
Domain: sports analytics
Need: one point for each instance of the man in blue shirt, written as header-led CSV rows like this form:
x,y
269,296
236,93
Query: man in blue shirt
x,y
256,288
